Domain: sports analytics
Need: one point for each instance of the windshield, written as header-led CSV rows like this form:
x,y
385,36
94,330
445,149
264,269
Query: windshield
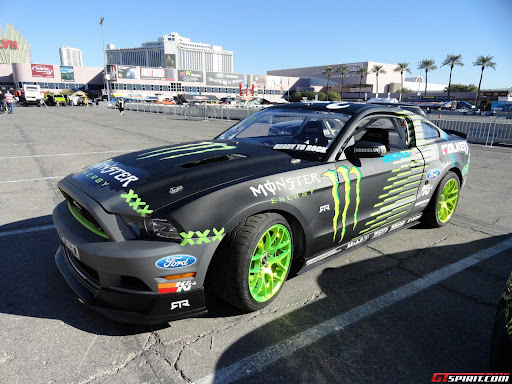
x,y
290,130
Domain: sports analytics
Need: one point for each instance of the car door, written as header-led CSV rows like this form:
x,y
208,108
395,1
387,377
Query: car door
x,y
371,193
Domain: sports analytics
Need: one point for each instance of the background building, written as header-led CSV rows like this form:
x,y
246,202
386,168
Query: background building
x,y
174,51
71,56
14,48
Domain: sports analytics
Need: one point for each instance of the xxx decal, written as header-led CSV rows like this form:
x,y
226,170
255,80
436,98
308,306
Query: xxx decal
x,y
333,176
131,195
185,150
201,237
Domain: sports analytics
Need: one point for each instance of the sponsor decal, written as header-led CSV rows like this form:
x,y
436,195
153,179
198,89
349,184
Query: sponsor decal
x,y
288,184
96,178
177,189
400,224
324,255
180,286
324,208
302,147
421,203
131,195
109,168
185,150
448,149
470,377
425,191
466,167
333,176
432,174
295,161
380,232
414,218
290,197
69,245
175,261
381,150
42,70
190,76
201,237
391,157
358,241
179,304
158,73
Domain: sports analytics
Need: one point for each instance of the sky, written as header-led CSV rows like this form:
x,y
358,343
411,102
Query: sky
x,y
279,34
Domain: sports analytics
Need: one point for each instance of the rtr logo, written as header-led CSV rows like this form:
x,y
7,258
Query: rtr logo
x,y
179,304
324,208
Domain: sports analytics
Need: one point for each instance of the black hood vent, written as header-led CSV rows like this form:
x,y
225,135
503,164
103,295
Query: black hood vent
x,y
211,160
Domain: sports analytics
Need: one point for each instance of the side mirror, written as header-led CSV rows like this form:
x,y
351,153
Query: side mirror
x,y
364,149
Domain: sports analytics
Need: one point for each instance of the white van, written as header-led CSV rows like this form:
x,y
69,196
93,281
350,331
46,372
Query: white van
x,y
32,94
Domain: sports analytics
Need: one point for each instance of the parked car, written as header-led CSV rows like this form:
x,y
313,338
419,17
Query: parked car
x,y
145,235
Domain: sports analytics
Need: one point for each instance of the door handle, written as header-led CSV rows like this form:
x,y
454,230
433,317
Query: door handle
x,y
415,164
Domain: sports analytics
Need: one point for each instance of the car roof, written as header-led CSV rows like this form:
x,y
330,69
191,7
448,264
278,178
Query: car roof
x,y
354,108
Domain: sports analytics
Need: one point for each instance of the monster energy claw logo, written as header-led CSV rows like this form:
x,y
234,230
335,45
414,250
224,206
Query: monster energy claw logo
x,y
185,150
333,176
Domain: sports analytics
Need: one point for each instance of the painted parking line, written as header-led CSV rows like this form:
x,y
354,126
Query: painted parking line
x,y
259,361
27,230
66,154
38,179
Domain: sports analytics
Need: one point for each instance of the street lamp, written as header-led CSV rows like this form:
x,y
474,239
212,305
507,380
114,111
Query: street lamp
x,y
104,61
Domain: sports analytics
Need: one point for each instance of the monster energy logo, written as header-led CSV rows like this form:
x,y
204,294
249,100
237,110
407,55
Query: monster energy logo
x,y
333,176
185,150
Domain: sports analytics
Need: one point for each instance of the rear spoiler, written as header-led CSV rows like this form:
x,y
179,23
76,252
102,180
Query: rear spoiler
x,y
456,133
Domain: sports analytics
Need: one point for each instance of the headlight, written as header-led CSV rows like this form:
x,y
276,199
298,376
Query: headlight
x,y
152,228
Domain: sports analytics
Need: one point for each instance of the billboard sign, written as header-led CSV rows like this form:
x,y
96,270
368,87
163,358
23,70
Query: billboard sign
x,y
42,70
221,79
67,73
111,72
170,61
149,73
190,76
126,72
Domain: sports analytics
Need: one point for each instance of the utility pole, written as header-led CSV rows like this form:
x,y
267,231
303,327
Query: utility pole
x,y
104,61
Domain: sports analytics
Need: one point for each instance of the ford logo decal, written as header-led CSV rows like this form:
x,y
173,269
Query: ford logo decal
x,y
175,261
433,173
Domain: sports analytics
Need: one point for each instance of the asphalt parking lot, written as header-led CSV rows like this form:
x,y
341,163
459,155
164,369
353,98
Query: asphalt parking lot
x,y
417,302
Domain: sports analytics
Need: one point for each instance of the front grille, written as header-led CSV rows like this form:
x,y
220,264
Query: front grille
x,y
85,214
87,273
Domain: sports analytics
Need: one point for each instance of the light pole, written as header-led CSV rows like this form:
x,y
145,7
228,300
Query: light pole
x,y
104,61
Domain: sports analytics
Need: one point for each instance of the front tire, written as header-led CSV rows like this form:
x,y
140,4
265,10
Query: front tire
x,y
444,201
256,262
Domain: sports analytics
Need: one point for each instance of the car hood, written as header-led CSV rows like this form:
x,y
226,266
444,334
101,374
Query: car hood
x,y
154,178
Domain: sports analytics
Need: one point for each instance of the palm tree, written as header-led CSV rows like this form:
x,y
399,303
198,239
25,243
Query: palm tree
x,y
452,61
483,62
361,71
402,68
378,69
342,69
328,71
427,65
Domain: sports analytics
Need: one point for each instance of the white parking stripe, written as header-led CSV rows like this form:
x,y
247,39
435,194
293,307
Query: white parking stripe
x,y
259,361
39,179
26,230
66,154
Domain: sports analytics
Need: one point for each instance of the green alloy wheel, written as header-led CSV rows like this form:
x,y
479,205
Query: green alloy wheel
x,y
254,261
448,200
444,201
270,263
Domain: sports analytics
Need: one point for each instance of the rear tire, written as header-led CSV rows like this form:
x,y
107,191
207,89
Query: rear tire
x,y
444,201
254,262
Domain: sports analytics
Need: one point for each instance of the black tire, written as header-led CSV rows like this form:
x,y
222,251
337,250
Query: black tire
x,y
231,266
501,347
431,213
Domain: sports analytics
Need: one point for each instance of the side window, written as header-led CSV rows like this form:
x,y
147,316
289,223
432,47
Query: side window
x,y
390,131
429,132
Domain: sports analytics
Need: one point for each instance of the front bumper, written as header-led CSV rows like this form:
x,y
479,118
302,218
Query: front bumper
x,y
128,307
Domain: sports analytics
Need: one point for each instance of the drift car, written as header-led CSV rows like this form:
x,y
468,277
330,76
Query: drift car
x,y
287,189
501,344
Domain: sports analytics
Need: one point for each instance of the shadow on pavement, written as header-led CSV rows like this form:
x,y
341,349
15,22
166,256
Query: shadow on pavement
x,y
445,328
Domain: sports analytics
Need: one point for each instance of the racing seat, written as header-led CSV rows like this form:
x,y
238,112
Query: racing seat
x,y
377,135
313,132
